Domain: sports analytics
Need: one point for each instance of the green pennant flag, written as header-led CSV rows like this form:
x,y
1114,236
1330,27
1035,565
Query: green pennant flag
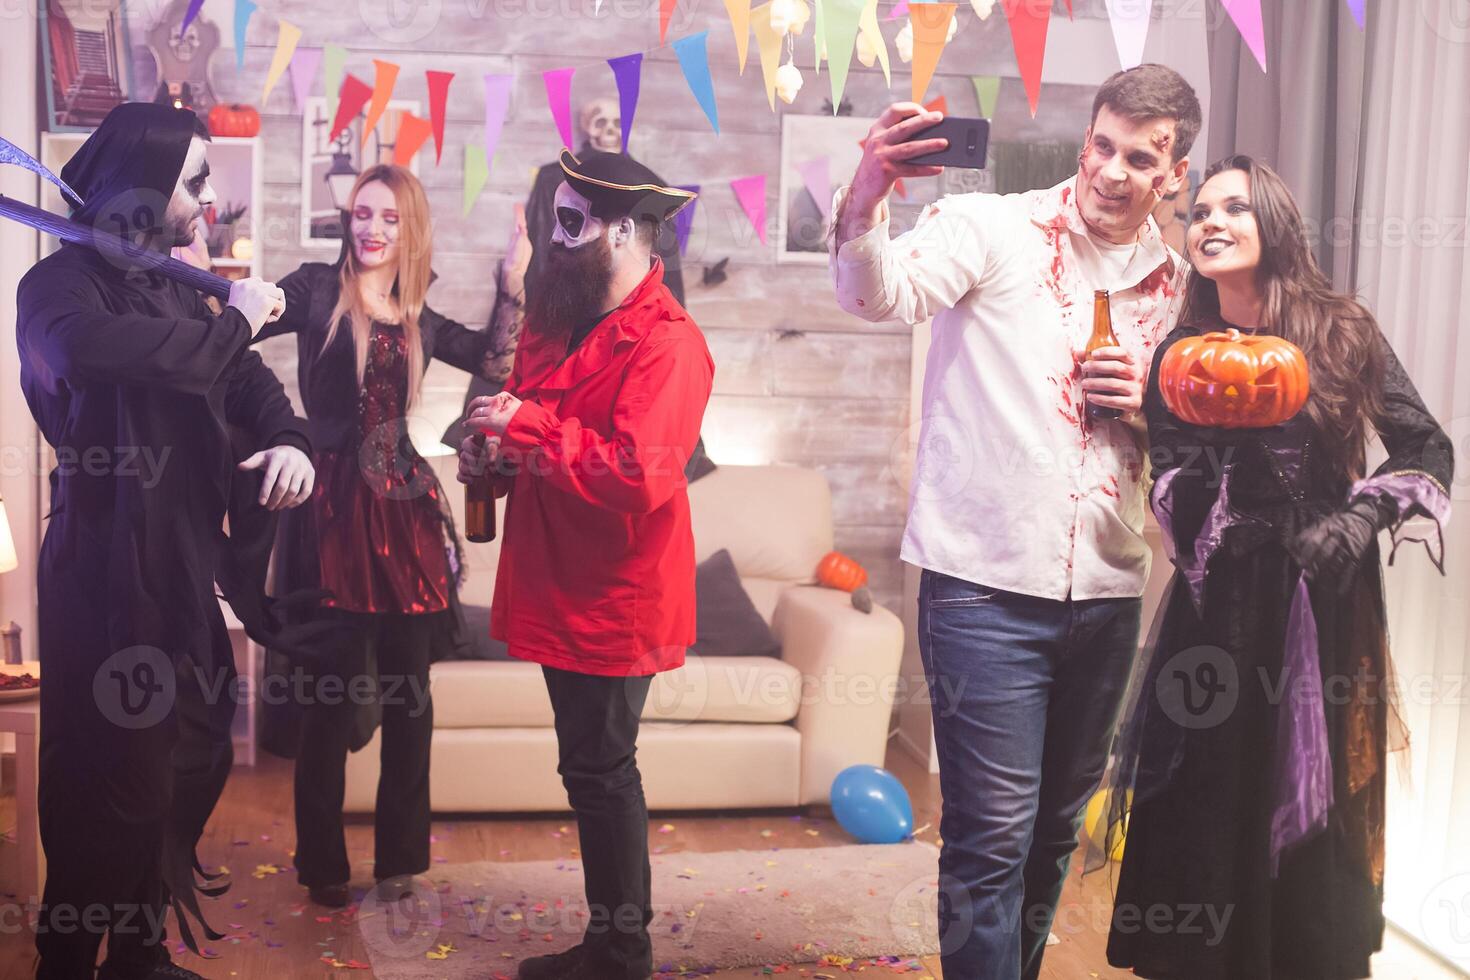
x,y
334,59
476,173
987,91
840,22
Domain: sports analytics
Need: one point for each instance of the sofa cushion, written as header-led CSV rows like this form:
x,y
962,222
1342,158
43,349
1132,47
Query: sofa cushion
x,y
487,694
729,623
776,521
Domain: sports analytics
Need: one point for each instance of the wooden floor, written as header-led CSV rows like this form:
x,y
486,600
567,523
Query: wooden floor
x,y
283,937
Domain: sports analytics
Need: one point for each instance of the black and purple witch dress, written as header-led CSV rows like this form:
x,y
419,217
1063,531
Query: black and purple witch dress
x,y
1253,757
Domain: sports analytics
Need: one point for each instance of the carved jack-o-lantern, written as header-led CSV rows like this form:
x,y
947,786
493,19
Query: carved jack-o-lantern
x,y
1234,381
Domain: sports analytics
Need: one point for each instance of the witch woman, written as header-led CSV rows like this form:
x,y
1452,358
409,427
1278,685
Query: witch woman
x,y
1257,747
377,535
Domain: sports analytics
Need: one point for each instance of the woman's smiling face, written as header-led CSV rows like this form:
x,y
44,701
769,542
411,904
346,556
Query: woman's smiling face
x,y
1224,238
374,225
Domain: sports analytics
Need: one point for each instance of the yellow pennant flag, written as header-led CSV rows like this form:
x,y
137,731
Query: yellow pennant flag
x,y
868,28
768,40
286,41
931,32
739,11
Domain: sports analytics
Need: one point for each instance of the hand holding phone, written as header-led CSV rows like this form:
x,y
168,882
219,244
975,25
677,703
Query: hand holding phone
x,y
968,141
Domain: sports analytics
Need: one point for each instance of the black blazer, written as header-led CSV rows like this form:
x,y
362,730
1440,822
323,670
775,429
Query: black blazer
x,y
328,380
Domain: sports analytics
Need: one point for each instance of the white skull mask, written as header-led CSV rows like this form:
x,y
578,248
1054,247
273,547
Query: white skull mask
x,y
576,225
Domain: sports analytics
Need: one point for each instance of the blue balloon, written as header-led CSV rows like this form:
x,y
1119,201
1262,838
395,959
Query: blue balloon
x,y
872,805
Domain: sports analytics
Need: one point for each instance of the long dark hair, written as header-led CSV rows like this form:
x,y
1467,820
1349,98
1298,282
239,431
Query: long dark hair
x,y
1336,333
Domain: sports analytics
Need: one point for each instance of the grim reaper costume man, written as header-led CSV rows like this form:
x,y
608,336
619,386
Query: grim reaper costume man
x,y
151,402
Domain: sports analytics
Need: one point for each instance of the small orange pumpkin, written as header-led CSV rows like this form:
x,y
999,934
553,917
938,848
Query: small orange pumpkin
x,y
233,120
1231,380
837,571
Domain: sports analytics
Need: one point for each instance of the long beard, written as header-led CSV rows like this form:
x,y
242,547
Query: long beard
x,y
571,290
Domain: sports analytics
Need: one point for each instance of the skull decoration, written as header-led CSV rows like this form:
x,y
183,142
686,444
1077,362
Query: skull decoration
x,y
603,125
1234,381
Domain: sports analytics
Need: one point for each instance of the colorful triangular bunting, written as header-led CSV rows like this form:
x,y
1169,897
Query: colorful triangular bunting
x,y
987,94
931,32
816,177
288,35
413,133
559,97
1246,15
334,61
304,66
684,220
627,72
693,55
244,10
1130,29
1028,22
350,100
751,193
497,107
383,82
476,174
840,20
1360,14
438,82
739,12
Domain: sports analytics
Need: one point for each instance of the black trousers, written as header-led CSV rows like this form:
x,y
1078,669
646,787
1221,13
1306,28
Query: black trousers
x,y
133,754
597,734
384,657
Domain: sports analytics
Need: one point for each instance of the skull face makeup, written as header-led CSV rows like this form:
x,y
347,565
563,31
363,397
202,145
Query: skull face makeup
x,y
576,225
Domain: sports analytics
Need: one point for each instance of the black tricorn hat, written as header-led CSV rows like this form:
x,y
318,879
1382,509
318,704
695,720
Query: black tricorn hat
x,y
618,185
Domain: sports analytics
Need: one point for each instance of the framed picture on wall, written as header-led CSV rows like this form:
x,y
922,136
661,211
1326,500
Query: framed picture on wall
x,y
328,167
818,155
86,60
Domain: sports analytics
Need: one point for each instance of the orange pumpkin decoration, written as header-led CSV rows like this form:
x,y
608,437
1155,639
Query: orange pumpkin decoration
x,y
837,571
1231,380
233,120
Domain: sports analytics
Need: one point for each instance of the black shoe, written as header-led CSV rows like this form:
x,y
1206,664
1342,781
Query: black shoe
x,y
331,896
591,968
395,889
552,967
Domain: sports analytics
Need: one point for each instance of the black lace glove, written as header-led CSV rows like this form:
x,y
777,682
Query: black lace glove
x,y
1331,549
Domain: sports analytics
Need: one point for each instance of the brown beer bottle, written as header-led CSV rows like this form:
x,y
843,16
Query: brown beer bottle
x,y
479,507
1102,336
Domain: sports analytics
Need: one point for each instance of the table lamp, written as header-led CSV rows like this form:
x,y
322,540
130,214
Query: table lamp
x,y
8,560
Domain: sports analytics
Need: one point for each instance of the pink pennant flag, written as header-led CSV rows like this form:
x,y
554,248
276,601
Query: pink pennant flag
x,y
559,95
497,106
304,65
751,193
1359,13
1130,29
900,9
816,177
1247,17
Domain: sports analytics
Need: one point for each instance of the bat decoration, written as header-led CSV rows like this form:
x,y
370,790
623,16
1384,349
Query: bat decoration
x,y
843,109
715,274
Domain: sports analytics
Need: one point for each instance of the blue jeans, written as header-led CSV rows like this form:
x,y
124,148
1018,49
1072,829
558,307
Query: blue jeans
x,y
1026,693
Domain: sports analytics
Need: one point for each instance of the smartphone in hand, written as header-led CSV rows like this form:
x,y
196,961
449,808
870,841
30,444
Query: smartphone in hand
x,y
968,141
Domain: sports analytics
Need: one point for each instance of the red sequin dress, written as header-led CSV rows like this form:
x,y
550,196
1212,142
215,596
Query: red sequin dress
x,y
379,512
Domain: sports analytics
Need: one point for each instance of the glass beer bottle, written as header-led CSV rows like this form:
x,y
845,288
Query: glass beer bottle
x,y
479,507
1102,336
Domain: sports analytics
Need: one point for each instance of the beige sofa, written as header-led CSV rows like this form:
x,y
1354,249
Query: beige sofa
x,y
720,732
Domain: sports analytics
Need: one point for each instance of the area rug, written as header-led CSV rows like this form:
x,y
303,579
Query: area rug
x,y
716,910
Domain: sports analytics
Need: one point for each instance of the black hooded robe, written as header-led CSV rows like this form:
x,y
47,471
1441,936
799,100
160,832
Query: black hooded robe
x,y
140,389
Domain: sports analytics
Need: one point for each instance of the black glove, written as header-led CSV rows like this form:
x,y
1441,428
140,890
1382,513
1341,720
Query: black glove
x,y
1331,549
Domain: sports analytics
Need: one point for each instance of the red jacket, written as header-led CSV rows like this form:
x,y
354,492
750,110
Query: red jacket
x,y
597,563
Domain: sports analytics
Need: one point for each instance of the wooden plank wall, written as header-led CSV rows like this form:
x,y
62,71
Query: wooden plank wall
x,y
797,381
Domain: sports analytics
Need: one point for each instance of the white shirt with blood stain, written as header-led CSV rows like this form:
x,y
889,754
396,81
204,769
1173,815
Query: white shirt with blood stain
x,y
1013,488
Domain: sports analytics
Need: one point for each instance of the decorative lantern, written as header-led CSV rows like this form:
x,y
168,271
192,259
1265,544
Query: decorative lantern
x,y
1232,380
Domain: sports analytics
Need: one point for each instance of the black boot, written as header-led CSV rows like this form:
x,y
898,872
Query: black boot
x,y
552,967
